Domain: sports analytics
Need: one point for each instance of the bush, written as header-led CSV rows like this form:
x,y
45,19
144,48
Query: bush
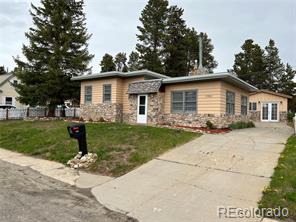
x,y
241,125
210,125
290,116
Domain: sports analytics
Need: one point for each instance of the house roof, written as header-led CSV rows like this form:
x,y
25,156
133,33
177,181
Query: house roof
x,y
5,77
146,86
226,76
272,93
120,74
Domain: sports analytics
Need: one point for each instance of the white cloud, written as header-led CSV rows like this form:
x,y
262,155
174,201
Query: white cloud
x,y
113,25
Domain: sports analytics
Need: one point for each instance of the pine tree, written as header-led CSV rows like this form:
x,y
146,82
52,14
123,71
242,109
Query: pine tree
x,y
286,82
175,44
275,69
249,65
120,62
57,50
152,35
134,61
107,64
208,60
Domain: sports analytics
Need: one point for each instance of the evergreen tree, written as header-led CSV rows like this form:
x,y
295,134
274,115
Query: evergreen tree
x,y
175,44
286,82
134,61
107,64
57,50
249,65
208,60
275,69
120,62
152,35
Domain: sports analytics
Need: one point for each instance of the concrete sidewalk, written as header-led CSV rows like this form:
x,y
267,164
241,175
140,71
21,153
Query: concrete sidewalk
x,y
188,183
54,170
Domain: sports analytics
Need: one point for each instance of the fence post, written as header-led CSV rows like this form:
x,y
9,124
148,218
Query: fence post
x,y
45,113
294,118
28,110
74,112
7,114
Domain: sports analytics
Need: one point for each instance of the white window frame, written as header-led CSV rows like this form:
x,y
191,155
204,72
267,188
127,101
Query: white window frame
x,y
6,101
86,95
227,102
104,93
244,106
184,111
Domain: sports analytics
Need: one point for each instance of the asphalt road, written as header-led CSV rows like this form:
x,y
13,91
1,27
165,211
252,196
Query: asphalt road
x,y
27,196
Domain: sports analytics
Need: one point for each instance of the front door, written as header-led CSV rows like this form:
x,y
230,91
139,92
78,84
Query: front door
x,y
270,112
142,109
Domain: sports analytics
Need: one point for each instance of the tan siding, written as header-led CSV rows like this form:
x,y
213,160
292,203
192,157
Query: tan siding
x,y
238,93
265,97
119,90
208,96
97,90
125,83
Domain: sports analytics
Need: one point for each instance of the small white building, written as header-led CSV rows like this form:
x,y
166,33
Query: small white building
x,y
8,93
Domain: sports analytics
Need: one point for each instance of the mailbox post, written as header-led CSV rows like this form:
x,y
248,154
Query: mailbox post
x,y
78,132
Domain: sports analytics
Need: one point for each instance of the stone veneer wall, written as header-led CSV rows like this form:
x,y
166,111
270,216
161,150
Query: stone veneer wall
x,y
283,116
155,108
199,120
256,116
111,112
156,115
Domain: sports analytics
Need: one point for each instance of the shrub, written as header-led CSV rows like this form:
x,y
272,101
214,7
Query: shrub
x,y
290,116
241,125
210,125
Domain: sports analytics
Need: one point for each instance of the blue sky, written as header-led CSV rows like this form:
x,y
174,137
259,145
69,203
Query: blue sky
x,y
113,26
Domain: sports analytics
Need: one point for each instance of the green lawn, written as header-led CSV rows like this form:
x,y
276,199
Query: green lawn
x,y
282,189
120,147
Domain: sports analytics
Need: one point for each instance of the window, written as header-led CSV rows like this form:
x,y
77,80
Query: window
x,y
230,103
253,106
106,93
8,100
184,101
87,94
244,105
14,82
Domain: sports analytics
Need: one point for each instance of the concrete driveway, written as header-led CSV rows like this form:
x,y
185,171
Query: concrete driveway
x,y
191,181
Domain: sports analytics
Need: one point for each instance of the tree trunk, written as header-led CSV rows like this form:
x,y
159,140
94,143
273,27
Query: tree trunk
x,y
51,110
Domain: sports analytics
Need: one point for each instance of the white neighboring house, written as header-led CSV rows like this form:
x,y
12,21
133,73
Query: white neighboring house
x,y
8,93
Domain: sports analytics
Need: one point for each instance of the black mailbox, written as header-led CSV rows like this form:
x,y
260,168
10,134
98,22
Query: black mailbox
x,y
78,132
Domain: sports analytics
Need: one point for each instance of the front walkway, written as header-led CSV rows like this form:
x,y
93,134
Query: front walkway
x,y
190,182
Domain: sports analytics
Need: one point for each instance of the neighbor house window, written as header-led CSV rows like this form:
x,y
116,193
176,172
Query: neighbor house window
x,y
253,106
107,93
184,101
87,94
8,100
244,105
230,103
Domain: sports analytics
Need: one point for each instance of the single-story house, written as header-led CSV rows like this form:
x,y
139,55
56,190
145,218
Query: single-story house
x,y
268,106
8,93
147,97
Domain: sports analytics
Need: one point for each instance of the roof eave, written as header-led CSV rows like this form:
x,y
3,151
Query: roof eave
x,y
231,78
